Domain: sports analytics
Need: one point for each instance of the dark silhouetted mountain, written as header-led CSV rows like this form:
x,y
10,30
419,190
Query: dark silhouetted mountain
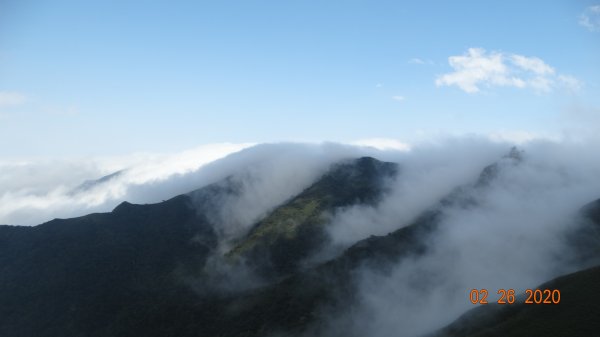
x,y
80,276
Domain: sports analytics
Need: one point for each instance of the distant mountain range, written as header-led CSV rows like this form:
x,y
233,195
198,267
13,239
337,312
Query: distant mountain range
x,y
166,269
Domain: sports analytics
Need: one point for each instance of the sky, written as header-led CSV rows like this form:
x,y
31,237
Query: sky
x,y
100,78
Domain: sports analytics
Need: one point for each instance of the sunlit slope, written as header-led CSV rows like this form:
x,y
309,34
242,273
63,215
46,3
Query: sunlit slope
x,y
296,229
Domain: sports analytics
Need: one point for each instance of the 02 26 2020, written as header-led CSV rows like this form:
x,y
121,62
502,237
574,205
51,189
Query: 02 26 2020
x,y
508,296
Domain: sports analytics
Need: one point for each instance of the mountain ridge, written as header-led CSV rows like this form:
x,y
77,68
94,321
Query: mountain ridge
x,y
145,269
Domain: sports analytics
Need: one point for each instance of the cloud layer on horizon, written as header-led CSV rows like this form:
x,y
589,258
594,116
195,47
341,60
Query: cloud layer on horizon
x,y
35,191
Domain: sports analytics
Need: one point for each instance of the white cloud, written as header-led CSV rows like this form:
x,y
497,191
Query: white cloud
x,y
398,98
417,60
383,144
518,137
477,68
11,98
37,190
533,64
590,18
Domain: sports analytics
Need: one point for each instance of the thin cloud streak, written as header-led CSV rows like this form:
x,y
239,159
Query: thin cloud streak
x,y
11,98
590,18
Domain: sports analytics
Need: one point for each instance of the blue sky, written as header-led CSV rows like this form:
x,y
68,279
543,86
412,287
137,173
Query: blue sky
x,y
113,77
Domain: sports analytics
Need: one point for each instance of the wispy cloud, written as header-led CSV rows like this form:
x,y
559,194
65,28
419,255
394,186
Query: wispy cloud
x,y
519,137
570,82
477,68
533,64
64,110
398,98
590,18
11,98
416,60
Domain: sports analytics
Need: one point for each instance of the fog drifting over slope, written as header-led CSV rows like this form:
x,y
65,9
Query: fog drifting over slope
x,y
32,192
515,237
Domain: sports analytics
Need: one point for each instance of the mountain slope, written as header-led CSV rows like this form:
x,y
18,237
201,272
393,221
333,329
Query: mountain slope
x,y
127,272
120,273
139,270
278,244
68,276
298,303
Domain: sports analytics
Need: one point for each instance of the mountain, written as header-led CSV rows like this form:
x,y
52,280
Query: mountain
x,y
77,276
106,274
292,232
160,269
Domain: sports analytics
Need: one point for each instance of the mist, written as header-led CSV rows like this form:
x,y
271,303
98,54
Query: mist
x,y
514,237
268,175
34,191
427,173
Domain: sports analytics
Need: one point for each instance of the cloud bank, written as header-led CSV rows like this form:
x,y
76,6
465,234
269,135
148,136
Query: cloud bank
x,y
35,191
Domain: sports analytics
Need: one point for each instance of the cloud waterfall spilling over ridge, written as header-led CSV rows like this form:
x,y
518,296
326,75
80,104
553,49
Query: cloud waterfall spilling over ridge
x,y
32,192
515,235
